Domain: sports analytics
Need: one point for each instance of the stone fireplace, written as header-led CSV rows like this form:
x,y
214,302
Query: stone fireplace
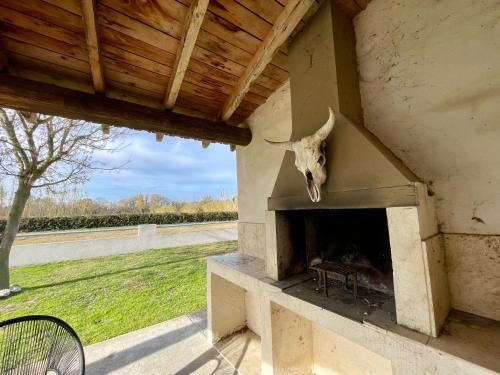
x,y
357,237
396,249
374,214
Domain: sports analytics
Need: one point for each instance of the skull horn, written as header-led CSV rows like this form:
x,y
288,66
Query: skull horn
x,y
325,130
287,145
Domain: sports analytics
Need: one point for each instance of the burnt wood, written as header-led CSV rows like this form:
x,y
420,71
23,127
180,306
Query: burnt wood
x,y
28,95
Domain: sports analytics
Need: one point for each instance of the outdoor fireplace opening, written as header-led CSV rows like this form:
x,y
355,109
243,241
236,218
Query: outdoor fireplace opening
x,y
354,239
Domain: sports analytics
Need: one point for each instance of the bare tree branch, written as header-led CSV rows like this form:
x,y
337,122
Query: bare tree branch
x,y
47,150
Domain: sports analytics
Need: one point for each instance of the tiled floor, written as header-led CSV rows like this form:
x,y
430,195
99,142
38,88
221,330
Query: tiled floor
x,y
243,350
177,346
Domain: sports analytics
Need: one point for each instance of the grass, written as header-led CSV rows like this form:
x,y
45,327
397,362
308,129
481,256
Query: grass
x,y
92,235
106,297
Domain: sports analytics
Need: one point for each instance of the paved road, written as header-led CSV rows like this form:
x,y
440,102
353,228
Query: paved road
x,y
70,250
194,238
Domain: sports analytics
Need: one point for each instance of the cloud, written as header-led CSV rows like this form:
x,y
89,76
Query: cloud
x,y
178,168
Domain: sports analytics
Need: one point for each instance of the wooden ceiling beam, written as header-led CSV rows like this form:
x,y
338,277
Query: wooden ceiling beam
x,y
93,45
285,24
192,26
4,61
32,96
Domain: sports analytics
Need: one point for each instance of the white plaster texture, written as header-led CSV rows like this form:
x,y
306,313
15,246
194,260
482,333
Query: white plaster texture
x,y
420,287
272,255
323,74
258,163
252,311
437,282
430,91
291,342
426,212
473,265
335,355
226,308
252,239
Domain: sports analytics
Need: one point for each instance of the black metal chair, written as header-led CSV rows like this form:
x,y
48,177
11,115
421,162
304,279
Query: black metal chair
x,y
40,345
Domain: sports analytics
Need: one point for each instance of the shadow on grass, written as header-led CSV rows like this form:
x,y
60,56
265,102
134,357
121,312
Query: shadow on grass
x,y
72,281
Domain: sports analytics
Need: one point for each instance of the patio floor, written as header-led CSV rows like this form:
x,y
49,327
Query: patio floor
x,y
177,346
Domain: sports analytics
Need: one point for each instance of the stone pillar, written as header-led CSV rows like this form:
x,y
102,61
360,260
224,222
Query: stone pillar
x,y
420,281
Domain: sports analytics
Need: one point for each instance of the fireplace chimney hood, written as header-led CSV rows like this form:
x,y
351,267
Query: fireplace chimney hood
x,y
362,172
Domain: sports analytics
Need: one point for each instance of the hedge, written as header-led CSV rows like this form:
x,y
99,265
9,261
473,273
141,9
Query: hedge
x,y
38,224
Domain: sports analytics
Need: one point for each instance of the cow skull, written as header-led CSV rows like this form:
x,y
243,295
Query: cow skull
x,y
310,157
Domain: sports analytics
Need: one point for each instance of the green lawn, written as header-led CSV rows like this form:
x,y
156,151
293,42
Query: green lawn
x,y
105,297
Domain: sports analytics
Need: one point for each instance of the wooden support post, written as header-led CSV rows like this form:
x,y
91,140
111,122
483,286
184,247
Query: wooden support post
x,y
159,136
105,129
205,144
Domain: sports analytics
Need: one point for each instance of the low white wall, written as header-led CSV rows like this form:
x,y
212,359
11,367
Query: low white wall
x,y
146,239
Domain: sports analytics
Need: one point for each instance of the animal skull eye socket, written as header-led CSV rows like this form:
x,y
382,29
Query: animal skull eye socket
x,y
321,160
309,175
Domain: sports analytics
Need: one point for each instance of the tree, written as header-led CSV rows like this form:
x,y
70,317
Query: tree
x,y
2,196
157,200
141,203
44,151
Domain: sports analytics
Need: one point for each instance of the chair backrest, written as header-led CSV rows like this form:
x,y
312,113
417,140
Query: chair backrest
x,y
40,345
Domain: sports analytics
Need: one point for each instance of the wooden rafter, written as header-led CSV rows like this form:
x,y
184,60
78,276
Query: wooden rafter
x,y
4,61
93,45
27,95
159,136
192,27
285,24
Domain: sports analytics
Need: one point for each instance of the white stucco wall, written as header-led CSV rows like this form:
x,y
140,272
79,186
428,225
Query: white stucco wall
x,y
334,355
258,166
430,88
430,91
258,163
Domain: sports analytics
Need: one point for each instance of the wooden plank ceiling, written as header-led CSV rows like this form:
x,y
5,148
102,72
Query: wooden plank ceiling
x,y
206,59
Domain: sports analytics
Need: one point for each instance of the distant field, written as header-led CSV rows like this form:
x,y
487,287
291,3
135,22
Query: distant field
x,y
106,297
119,233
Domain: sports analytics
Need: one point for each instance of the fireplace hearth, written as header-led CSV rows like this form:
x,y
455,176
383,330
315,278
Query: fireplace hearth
x,y
356,239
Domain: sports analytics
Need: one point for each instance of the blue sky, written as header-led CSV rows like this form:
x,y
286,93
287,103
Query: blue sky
x,y
178,168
